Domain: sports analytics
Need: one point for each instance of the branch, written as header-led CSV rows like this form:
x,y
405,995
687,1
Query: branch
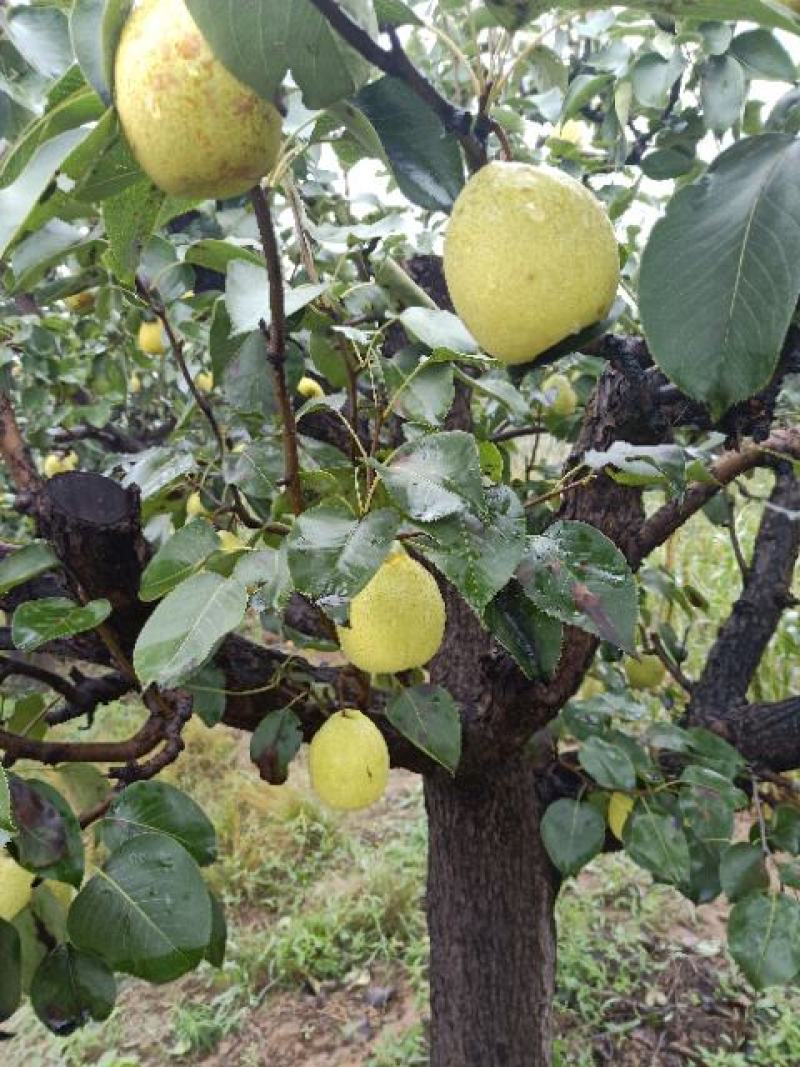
x,y
15,452
727,469
275,340
743,638
52,752
394,62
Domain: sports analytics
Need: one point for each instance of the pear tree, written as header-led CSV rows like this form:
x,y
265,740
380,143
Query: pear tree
x,y
410,333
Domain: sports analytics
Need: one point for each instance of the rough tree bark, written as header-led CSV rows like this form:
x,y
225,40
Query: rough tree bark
x,y
490,903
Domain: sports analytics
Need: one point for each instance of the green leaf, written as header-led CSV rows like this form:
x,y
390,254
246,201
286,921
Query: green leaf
x,y
658,844
18,199
435,477
215,953
261,41
479,557
186,627
38,621
576,574
422,390
573,833
7,824
532,637
764,938
707,813
719,338
207,688
150,888
425,162
333,554
71,988
428,716
275,743
742,870
763,56
247,296
784,829
609,765
94,29
145,807
48,839
184,553
41,35
714,752
439,329
790,874
723,89
10,970
259,469
652,78
130,218
395,13
26,563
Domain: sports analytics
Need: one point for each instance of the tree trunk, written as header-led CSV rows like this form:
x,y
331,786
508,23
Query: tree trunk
x,y
491,895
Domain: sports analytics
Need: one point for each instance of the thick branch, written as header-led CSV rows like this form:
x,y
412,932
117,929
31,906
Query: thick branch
x,y
743,638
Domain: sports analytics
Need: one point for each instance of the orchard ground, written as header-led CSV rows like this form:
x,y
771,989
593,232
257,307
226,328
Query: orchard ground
x,y
327,950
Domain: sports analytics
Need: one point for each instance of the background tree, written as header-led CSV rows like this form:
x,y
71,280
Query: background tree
x,y
200,502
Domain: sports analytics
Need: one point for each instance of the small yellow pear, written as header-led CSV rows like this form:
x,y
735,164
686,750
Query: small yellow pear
x,y
310,388
645,673
194,129
349,761
135,384
151,339
204,381
620,807
55,464
561,397
397,620
530,258
16,885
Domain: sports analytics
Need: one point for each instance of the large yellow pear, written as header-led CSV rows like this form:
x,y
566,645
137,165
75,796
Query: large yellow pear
x,y
530,258
192,126
15,886
397,620
349,761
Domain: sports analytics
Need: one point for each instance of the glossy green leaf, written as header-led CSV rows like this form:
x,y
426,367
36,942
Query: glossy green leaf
x,y
146,807
48,839
10,970
207,688
247,296
275,743
479,556
722,92
94,29
428,716
763,56
657,843
764,938
38,621
573,833
27,562
184,553
608,764
784,829
71,988
438,329
425,162
435,477
742,870
333,554
152,889
719,338
576,574
41,35
186,627
532,637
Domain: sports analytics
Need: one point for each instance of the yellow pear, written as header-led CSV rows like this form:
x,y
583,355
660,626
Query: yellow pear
x,y
194,129
397,620
15,886
349,761
530,258
55,464
310,388
645,673
151,339
135,384
562,398
194,506
204,381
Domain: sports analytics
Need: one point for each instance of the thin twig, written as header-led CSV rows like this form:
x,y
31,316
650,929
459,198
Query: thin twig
x,y
656,646
275,339
517,431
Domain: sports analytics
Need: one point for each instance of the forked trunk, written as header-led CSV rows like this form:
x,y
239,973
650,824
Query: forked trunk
x,y
491,897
